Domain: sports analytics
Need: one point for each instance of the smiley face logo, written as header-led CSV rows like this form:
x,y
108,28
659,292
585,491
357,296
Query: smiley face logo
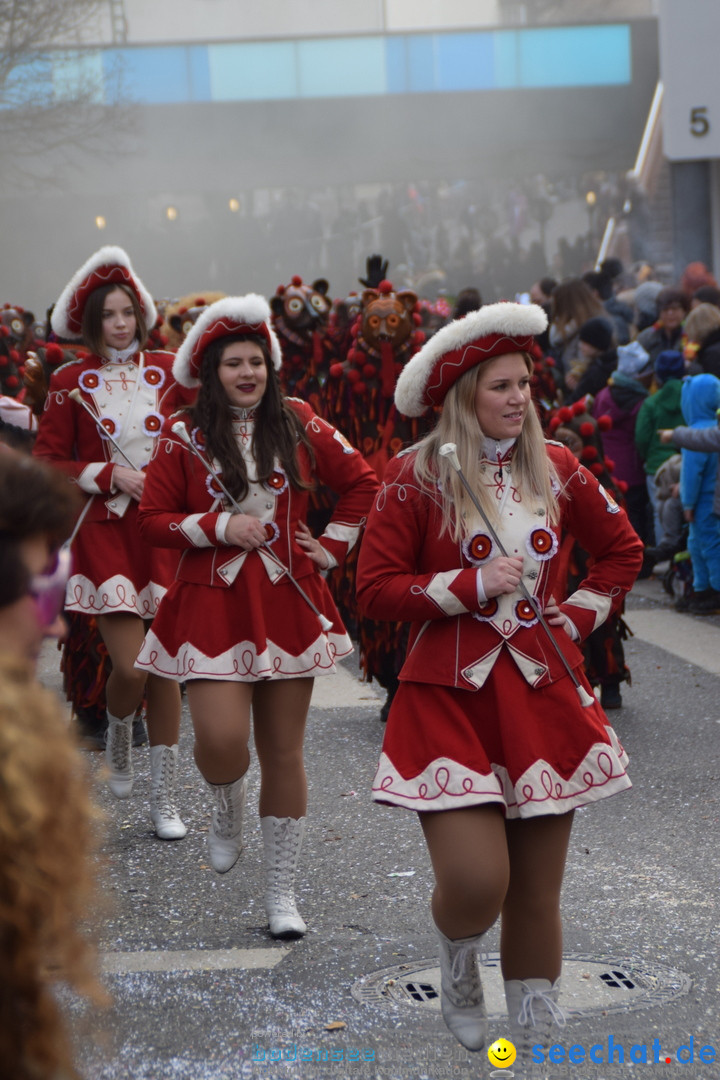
x,y
501,1054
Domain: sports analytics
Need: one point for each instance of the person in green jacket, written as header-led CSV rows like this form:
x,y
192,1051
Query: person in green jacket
x,y
660,410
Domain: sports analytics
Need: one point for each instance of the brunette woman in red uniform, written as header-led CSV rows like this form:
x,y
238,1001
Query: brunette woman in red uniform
x,y
102,416
229,485
493,736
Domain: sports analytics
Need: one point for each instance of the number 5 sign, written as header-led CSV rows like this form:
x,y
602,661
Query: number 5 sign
x,y
689,46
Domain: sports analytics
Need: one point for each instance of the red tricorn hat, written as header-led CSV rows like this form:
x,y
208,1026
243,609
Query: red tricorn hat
x,y
456,348
108,266
232,315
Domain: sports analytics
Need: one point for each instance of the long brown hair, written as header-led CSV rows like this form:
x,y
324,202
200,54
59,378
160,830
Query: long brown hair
x,y
92,320
277,431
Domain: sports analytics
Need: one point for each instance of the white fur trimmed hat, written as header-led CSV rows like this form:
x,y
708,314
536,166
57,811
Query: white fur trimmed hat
x,y
248,314
492,331
108,266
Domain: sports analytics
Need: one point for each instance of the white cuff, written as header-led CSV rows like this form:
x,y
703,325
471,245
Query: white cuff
x,y
331,560
571,629
481,595
223,520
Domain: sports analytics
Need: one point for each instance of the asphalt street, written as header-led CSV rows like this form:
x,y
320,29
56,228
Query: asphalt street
x,y
201,992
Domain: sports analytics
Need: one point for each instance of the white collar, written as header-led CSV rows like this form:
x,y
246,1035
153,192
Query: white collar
x,y
497,449
119,356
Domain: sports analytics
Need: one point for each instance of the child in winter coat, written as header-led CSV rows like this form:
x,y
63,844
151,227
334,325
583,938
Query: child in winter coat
x,y
700,402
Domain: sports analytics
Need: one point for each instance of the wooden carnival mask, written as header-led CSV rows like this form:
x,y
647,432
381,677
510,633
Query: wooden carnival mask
x,y
387,316
302,307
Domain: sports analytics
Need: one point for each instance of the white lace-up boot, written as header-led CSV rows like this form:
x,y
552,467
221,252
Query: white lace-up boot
x,y
225,840
118,743
532,1010
282,841
163,774
461,994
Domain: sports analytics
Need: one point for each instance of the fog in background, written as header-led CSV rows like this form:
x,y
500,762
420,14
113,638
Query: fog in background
x,y
487,189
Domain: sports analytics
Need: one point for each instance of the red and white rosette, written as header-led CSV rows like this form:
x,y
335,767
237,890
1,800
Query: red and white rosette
x,y
90,381
525,613
477,548
272,532
214,489
108,426
152,424
487,611
153,376
277,482
542,544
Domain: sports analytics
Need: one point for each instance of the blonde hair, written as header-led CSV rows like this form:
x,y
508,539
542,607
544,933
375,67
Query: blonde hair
x,y
47,884
701,321
533,472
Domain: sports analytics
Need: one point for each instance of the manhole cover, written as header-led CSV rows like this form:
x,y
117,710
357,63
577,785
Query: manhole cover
x,y
591,985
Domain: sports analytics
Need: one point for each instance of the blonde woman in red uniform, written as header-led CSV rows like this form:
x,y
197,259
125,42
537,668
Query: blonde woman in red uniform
x,y
102,416
249,621
493,737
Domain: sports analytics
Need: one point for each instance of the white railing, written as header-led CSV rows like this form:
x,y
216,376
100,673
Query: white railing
x,y
643,171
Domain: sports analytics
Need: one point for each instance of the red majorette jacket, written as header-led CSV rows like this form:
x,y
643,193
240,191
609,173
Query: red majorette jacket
x,y
407,570
130,398
182,507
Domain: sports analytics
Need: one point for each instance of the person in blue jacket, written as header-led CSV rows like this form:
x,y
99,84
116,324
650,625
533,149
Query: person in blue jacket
x,y
700,401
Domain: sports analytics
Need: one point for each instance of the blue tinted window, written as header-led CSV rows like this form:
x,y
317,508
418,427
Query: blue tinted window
x,y
156,76
255,71
344,67
198,62
465,62
575,56
74,73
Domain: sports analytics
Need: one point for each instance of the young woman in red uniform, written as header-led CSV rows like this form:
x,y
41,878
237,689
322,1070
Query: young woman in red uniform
x,y
488,738
229,485
122,392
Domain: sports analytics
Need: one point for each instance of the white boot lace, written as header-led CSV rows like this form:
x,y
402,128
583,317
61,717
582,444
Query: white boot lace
x,y
119,734
281,873
225,816
526,1016
466,986
165,786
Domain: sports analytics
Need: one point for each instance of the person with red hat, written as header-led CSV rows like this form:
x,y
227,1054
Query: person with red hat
x,y
493,736
102,416
249,621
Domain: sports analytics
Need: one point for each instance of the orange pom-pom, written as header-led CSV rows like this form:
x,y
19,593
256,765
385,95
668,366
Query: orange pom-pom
x,y
296,280
336,370
565,413
578,407
369,371
588,453
587,429
604,422
385,287
596,469
353,375
359,388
